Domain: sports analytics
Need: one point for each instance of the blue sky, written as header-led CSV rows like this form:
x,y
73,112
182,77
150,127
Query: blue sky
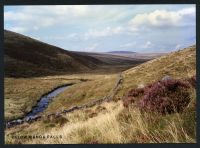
x,y
102,28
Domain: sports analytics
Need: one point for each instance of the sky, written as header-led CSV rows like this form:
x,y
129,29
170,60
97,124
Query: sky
x,y
103,28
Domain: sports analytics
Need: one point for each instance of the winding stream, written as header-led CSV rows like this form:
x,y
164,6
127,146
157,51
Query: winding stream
x,y
47,98
41,105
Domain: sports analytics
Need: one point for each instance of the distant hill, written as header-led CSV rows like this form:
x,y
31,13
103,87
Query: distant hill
x,y
26,57
136,55
121,52
111,59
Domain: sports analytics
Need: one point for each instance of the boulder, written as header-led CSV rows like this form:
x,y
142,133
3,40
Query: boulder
x,y
19,121
141,86
166,78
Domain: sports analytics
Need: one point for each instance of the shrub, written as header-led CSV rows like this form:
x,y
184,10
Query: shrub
x,y
130,98
135,92
165,96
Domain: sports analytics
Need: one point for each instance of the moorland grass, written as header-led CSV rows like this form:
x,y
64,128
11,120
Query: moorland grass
x,y
114,123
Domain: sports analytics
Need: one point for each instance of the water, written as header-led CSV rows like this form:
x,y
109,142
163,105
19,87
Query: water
x,y
45,100
41,105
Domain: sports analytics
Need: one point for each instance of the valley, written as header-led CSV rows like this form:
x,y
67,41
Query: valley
x,y
92,110
24,56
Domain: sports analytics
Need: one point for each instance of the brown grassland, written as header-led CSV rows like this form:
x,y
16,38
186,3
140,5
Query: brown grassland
x,y
109,122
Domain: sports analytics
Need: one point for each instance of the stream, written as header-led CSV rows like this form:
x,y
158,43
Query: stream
x,y
41,105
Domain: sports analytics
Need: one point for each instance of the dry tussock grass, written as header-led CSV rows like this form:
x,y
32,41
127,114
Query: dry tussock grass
x,y
178,64
21,94
128,125
123,125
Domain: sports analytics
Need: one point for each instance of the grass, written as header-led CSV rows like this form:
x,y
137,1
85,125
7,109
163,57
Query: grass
x,y
83,93
21,94
178,64
115,124
111,122
78,127
26,57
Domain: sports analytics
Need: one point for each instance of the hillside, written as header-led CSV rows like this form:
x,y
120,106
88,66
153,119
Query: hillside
x,y
26,57
136,55
110,59
178,64
121,52
112,122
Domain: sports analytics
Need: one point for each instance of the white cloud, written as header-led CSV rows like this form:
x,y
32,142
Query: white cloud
x,y
36,17
115,27
47,16
17,29
164,18
148,44
157,18
14,16
187,11
108,31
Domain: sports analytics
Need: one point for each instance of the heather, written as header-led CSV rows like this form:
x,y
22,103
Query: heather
x,y
165,96
158,106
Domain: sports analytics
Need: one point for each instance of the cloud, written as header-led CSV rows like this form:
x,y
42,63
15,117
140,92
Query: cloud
x,y
103,27
14,16
108,31
17,29
187,11
145,21
148,44
32,17
48,16
164,18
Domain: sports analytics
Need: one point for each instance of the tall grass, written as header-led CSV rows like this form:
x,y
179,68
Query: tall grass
x,y
125,125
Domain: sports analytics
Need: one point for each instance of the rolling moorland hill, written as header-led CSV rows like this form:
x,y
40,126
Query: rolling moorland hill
x,y
27,57
121,52
130,125
110,59
111,122
178,64
136,55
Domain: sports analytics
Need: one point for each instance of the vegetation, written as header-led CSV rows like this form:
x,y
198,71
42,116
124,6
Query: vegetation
x,y
178,64
123,120
82,93
165,96
20,95
27,57
23,93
